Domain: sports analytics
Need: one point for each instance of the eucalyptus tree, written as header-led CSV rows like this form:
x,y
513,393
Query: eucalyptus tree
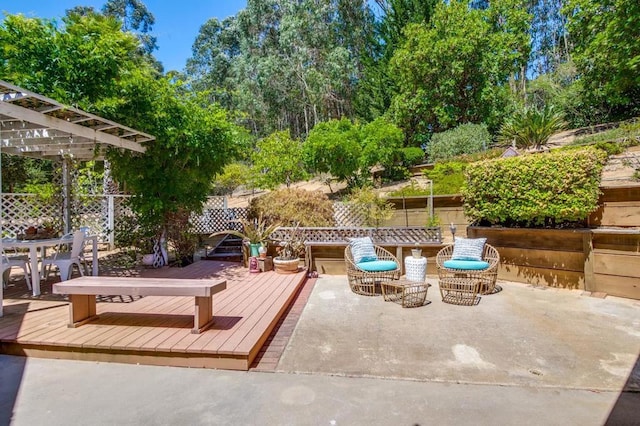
x,y
550,42
286,65
214,51
136,18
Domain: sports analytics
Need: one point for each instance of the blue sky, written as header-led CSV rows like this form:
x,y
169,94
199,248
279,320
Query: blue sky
x,y
176,27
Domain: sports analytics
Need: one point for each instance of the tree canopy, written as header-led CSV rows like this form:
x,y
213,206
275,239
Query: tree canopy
x,y
348,82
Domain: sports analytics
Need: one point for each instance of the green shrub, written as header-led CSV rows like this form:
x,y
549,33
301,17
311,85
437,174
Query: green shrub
x,y
293,206
447,178
611,148
464,139
411,190
411,156
557,189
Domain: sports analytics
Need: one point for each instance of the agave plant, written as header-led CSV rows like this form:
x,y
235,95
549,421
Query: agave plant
x,y
292,247
532,127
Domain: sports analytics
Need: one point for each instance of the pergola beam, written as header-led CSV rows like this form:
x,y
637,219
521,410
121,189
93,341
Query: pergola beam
x,y
65,126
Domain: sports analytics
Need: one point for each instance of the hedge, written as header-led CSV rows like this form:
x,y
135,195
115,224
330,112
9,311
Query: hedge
x,y
555,189
464,139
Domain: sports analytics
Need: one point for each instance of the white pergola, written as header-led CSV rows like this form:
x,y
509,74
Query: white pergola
x,y
33,125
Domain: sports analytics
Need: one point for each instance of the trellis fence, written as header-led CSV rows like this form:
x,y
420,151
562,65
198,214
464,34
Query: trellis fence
x,y
101,214
97,212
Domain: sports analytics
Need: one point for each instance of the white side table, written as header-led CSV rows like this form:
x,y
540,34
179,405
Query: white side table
x,y
415,268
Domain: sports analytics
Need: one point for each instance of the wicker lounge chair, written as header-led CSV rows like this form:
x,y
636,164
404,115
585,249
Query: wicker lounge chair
x,y
367,283
461,286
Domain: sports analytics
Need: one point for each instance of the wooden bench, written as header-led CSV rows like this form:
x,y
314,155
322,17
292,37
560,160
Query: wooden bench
x,y
83,291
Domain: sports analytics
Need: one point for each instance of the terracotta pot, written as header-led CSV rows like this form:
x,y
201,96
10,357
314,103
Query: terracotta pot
x,y
289,266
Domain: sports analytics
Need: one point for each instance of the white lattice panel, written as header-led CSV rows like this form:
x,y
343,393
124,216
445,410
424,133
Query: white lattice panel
x,y
391,235
20,211
216,220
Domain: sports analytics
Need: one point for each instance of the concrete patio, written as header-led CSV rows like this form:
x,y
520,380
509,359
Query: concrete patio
x,y
521,336
526,355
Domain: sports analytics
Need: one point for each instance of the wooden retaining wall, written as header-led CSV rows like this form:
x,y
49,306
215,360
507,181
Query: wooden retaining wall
x,y
597,260
615,263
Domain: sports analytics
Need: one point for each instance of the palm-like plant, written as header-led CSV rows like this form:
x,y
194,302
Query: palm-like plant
x,y
532,127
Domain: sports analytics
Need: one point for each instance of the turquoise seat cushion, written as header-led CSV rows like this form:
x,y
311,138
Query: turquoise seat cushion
x,y
378,265
467,265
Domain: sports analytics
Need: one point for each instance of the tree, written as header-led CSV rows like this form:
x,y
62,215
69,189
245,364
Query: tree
x,y
233,176
78,64
606,37
194,141
277,160
457,69
214,51
348,151
549,36
334,147
135,17
285,65
383,36
381,144
92,63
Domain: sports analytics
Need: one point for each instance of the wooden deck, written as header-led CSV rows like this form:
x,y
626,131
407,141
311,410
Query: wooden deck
x,y
156,330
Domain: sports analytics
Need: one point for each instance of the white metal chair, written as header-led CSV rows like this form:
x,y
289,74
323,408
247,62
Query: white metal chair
x,y
64,261
17,262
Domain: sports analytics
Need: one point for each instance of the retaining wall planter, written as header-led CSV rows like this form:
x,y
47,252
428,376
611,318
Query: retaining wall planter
x,y
595,260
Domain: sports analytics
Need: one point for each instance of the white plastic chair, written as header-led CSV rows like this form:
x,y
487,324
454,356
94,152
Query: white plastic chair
x,y
64,261
83,255
18,262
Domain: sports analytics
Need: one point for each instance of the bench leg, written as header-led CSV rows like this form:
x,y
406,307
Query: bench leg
x,y
203,316
82,309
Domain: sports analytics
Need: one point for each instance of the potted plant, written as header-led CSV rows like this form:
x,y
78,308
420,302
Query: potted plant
x,y
289,251
255,233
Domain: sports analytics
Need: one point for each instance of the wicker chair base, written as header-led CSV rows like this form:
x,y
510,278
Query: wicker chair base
x,y
460,290
365,288
409,294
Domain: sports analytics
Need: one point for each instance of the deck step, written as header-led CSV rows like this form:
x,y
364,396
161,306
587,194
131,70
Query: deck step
x,y
230,250
227,257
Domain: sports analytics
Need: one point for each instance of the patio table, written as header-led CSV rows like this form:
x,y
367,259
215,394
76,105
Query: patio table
x,y
34,245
